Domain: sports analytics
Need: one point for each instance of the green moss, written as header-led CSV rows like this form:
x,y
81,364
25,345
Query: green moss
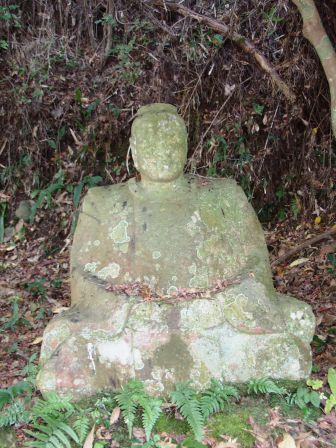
x,y
170,425
233,424
174,355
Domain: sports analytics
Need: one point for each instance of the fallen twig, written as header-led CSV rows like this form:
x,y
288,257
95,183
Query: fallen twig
x,y
243,43
329,233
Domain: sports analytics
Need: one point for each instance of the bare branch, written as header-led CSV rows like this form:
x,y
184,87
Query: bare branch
x,y
243,43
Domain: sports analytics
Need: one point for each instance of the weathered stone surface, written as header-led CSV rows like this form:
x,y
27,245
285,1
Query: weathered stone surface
x,y
173,235
24,210
7,438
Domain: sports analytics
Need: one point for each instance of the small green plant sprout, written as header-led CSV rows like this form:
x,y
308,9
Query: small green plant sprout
x,y
46,194
265,386
258,109
331,260
217,39
132,398
331,401
14,320
38,287
30,370
3,208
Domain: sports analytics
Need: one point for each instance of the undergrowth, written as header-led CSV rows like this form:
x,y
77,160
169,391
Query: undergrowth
x,y
57,422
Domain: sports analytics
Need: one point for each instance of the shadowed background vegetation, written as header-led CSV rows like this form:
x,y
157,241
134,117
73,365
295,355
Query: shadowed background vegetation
x,y
73,73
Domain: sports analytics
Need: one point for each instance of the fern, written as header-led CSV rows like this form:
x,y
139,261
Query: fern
x,y
54,433
52,406
151,411
50,427
186,400
216,397
134,396
127,400
14,413
82,427
265,386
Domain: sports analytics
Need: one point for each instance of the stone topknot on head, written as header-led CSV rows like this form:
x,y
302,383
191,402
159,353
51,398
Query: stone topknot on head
x,y
156,108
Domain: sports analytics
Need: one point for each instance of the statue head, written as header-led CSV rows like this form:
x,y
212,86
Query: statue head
x,y
159,142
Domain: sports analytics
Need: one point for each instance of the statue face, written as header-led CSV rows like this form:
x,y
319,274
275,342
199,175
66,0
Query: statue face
x,y
159,143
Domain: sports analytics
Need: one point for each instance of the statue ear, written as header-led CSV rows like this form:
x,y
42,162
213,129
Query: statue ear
x,y
133,152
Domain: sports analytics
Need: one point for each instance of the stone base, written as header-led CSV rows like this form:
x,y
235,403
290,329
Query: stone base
x,y
85,351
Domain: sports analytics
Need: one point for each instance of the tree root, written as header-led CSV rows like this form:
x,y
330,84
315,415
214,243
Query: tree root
x,y
243,43
316,239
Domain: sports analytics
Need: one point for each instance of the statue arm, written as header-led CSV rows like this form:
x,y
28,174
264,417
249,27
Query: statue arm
x,y
250,235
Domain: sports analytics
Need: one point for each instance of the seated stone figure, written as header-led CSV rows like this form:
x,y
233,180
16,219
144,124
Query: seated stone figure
x,y
171,281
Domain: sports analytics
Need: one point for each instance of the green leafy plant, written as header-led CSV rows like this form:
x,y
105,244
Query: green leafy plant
x,y
303,397
331,259
89,181
14,413
188,403
46,194
10,324
12,407
265,386
133,397
258,109
38,287
3,208
51,427
331,400
30,370
215,397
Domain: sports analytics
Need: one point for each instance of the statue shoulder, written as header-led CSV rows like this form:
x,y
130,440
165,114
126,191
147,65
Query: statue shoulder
x,y
99,198
229,189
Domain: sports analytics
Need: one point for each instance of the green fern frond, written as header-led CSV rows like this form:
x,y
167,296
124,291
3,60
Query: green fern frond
x,y
127,400
54,433
185,399
82,427
52,405
216,396
14,413
151,407
265,386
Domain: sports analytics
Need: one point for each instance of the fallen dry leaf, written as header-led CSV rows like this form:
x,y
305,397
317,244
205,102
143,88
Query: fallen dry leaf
x,y
90,438
139,434
115,415
166,444
37,340
228,443
298,262
59,309
287,441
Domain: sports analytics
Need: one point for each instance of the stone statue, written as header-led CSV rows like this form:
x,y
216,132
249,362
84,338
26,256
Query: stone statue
x,y
171,281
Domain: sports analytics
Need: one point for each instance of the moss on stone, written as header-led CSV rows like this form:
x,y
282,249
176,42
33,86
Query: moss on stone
x,y
233,424
170,425
174,355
